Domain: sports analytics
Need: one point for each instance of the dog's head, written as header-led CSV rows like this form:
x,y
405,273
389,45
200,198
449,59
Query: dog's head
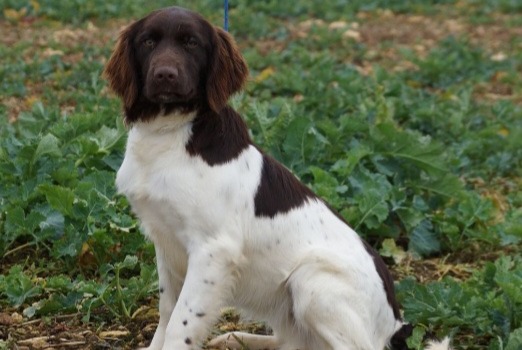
x,y
174,59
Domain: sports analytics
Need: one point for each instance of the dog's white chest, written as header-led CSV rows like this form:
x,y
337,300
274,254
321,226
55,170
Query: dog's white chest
x,y
173,192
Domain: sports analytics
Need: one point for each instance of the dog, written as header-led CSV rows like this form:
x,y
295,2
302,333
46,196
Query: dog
x,y
230,225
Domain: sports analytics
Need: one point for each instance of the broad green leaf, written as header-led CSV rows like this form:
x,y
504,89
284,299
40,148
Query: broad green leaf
x,y
60,198
19,287
410,217
515,340
511,229
295,142
373,207
3,154
417,338
106,138
509,279
70,243
48,145
447,185
362,180
66,175
62,283
33,221
15,221
30,311
423,239
346,165
474,208
56,303
103,182
129,262
54,222
420,151
325,185
371,193
18,224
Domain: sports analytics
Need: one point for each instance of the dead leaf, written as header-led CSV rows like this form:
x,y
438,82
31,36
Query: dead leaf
x,y
499,57
114,334
66,35
265,74
298,98
503,132
391,250
86,257
35,5
338,25
48,52
146,312
5,319
310,23
352,34
36,342
15,15
16,317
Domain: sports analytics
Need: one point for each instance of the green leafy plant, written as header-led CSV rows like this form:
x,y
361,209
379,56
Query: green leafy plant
x,y
488,303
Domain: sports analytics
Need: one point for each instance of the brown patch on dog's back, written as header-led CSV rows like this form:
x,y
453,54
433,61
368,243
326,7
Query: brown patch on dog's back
x,y
279,190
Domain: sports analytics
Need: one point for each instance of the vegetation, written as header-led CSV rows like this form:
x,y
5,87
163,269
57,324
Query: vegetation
x,y
406,116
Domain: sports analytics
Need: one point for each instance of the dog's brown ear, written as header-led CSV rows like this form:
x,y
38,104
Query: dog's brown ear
x,y
121,71
228,71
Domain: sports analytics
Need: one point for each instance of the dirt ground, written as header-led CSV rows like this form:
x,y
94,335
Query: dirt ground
x,y
69,332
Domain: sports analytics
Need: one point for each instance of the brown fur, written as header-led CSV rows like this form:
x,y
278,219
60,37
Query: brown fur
x,y
228,72
120,70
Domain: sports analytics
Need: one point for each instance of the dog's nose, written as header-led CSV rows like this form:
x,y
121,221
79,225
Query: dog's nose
x,y
165,74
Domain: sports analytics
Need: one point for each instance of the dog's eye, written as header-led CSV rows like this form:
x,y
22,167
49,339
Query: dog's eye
x,y
149,43
191,42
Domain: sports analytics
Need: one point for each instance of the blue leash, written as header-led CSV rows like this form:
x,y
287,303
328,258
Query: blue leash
x,y
226,16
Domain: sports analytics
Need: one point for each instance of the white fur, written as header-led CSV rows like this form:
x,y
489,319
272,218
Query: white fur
x,y
442,345
304,272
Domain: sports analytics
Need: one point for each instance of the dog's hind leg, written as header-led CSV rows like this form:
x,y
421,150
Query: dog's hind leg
x,y
337,308
240,340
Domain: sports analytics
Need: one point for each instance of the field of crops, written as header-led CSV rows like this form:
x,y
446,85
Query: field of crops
x,y
406,116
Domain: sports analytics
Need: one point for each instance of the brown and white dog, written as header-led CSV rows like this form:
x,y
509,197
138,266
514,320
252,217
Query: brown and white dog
x,y
230,225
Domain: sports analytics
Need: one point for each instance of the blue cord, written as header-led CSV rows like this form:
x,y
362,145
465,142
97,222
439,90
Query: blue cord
x,y
226,16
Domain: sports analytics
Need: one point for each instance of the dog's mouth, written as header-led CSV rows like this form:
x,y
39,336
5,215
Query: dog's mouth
x,y
170,96
167,97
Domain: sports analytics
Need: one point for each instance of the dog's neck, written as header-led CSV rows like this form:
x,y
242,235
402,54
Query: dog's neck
x,y
143,110
166,123
218,137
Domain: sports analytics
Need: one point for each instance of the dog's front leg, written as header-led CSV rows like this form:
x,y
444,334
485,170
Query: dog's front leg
x,y
211,274
170,283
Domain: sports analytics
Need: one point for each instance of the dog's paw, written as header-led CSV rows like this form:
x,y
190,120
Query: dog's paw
x,y
225,341
240,340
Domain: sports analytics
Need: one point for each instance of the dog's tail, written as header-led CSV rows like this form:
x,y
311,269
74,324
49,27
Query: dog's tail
x,y
398,340
436,345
